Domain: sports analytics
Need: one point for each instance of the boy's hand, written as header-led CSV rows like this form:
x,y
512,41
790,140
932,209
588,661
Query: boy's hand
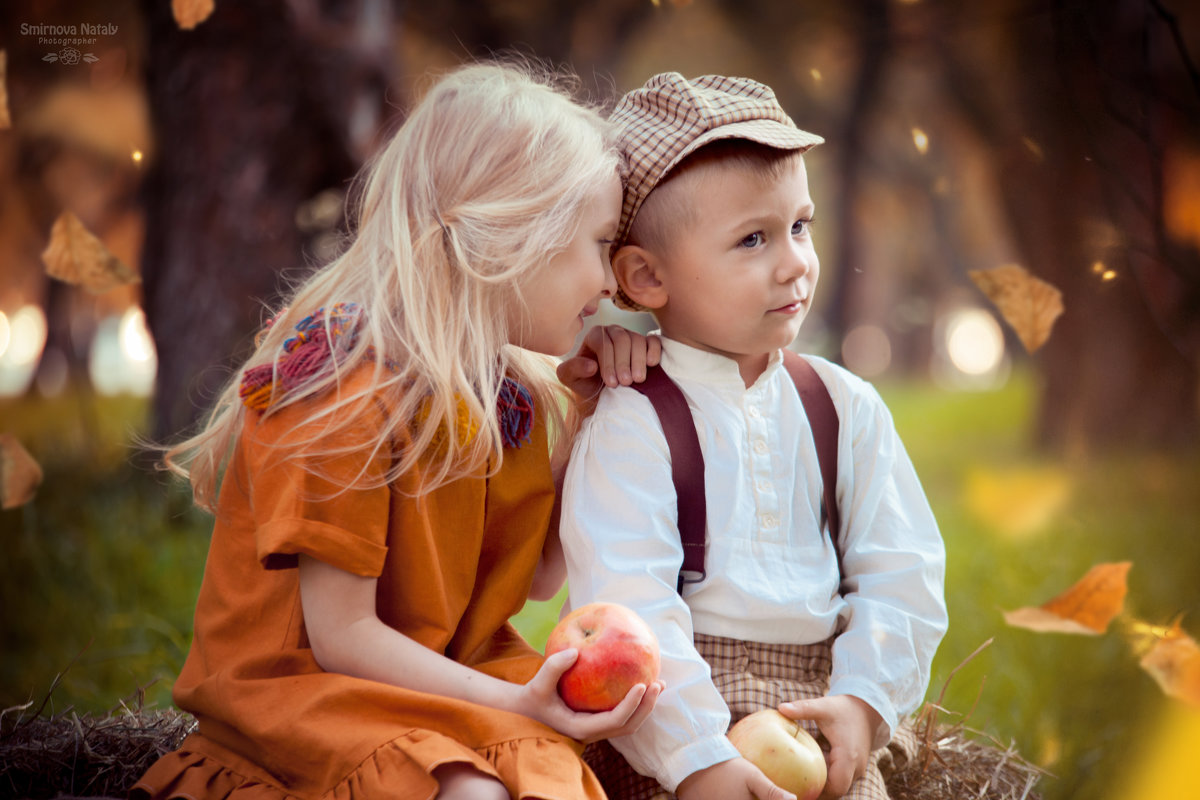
x,y
849,724
539,699
735,779
609,356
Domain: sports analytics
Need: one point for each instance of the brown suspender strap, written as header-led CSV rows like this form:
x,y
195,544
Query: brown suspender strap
x,y
687,468
823,419
687,460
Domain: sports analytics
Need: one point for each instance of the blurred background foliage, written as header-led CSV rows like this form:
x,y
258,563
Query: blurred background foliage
x,y
1061,135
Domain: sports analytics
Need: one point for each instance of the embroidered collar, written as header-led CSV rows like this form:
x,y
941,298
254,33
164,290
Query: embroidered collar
x,y
320,340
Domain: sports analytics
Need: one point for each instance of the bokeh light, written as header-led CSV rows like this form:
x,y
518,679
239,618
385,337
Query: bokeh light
x,y
122,358
969,350
974,341
867,351
920,140
23,335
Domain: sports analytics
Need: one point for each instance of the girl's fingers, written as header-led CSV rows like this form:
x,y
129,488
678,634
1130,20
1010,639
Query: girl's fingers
x,y
605,724
554,666
629,715
614,355
653,350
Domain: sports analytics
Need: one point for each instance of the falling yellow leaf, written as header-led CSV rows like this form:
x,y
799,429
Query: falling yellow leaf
x,y
1174,662
20,474
1086,608
190,13
76,256
1027,303
1018,501
5,118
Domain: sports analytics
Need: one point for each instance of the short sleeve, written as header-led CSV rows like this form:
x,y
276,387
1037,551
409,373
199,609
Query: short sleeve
x,y
334,505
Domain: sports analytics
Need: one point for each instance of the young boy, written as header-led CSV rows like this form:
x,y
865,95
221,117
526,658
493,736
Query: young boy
x,y
715,241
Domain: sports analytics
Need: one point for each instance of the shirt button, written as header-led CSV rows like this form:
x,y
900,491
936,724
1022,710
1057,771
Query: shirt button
x,y
760,446
769,521
763,485
754,412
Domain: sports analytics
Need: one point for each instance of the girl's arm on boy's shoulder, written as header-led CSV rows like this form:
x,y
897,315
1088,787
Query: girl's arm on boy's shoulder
x,y
609,356
348,637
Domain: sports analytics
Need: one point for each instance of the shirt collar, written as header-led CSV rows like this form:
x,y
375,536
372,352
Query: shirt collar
x,y
691,363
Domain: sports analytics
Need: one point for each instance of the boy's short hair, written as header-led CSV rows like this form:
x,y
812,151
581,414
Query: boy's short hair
x,y
670,117
667,209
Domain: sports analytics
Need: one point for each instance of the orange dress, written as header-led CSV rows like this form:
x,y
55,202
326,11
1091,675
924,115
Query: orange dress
x,y
452,566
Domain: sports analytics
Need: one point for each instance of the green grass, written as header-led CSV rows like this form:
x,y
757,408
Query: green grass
x,y
104,566
100,572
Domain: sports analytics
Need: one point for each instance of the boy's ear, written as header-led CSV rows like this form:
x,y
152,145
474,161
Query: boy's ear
x,y
636,271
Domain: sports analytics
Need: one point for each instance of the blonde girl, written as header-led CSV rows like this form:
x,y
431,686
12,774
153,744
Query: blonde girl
x,y
386,485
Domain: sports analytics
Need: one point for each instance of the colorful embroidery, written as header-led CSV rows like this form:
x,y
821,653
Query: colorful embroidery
x,y
515,407
304,355
316,344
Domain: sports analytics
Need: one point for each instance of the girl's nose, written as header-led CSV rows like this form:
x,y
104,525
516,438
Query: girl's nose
x,y
610,279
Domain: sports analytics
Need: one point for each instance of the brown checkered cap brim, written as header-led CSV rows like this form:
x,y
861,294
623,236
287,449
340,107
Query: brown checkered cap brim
x,y
670,117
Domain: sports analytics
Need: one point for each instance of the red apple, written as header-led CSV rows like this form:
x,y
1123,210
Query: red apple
x,y
617,651
783,750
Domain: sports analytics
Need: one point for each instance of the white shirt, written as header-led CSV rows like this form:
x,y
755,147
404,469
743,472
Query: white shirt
x,y
772,574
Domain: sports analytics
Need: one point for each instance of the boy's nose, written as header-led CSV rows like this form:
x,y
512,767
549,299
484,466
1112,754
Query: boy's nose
x,y
798,260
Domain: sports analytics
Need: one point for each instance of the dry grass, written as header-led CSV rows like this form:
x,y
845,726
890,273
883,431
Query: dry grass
x,y
82,754
955,763
102,756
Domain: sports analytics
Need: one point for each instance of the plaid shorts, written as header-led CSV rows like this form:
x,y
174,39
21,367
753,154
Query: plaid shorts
x,y
752,676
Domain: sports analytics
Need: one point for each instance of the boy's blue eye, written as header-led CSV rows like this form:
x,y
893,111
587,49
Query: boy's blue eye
x,y
753,240
801,226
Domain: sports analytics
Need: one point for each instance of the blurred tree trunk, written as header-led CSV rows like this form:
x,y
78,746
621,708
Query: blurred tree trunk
x,y
256,110
873,36
1076,120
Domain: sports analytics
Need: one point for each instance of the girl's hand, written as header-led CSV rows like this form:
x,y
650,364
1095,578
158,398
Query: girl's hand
x,y
849,724
609,356
539,699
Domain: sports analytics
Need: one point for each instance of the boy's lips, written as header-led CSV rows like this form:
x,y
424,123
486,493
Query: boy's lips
x,y
790,308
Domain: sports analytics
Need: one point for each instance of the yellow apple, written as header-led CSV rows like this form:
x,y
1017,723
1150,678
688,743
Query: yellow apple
x,y
783,750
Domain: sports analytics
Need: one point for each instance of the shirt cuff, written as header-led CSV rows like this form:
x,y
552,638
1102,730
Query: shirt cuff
x,y
877,699
695,757
281,541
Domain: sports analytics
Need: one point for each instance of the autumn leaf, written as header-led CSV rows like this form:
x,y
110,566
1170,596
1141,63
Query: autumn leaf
x,y
1027,303
1086,608
20,474
190,13
5,118
1174,663
76,256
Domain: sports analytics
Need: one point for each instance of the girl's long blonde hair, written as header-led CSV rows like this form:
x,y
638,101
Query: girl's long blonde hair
x,y
481,185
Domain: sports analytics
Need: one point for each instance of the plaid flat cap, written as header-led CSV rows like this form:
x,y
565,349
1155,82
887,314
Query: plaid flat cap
x,y
670,117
